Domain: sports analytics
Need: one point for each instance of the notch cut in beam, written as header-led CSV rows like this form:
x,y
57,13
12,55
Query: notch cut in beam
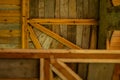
x,y
65,21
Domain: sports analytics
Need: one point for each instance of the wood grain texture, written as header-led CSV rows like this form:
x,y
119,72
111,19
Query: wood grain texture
x,y
10,26
10,13
34,38
49,10
10,2
64,21
41,8
71,30
34,8
116,2
106,23
63,14
10,19
64,71
55,36
10,33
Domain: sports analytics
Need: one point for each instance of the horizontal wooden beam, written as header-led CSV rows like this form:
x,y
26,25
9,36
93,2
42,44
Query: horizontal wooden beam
x,y
65,21
88,55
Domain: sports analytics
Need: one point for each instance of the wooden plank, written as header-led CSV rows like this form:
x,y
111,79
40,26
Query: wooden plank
x,y
25,15
34,38
85,37
20,79
108,18
9,33
13,26
93,40
9,19
93,13
54,44
115,39
9,40
42,38
114,47
114,44
79,28
63,54
92,61
10,46
41,9
116,33
49,10
116,2
9,7
56,28
10,2
47,69
10,13
71,30
55,36
47,43
65,21
63,14
34,9
64,71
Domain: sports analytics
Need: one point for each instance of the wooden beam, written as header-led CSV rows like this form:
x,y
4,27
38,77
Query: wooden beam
x,y
65,21
62,54
64,71
90,60
55,36
116,2
34,38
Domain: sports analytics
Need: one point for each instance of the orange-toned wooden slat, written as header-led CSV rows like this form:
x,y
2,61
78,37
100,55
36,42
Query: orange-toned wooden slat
x,y
25,16
116,33
116,2
10,7
46,69
55,36
115,44
63,71
34,38
19,79
65,21
9,33
115,47
115,39
9,40
10,2
10,13
9,19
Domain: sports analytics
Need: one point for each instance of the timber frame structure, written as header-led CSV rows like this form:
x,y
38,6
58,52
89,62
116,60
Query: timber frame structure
x,y
54,60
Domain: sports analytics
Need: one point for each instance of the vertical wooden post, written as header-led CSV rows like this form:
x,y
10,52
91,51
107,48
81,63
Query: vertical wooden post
x,y
25,16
